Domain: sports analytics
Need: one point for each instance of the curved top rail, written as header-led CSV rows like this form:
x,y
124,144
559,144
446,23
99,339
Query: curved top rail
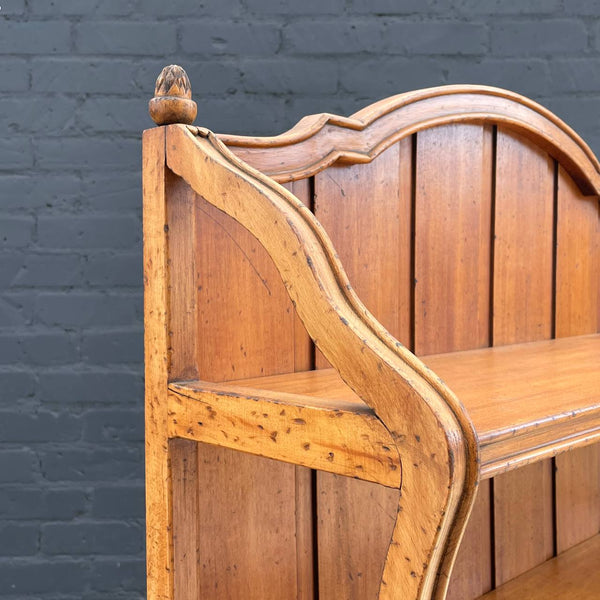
x,y
434,435
317,141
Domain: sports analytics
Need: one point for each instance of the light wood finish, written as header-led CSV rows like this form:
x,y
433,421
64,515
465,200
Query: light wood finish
x,y
299,429
523,312
367,211
433,423
474,185
172,102
550,402
573,575
577,312
452,239
159,542
318,141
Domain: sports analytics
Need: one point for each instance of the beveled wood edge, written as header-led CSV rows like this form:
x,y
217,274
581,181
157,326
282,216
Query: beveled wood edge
x,y
287,427
287,157
433,428
497,458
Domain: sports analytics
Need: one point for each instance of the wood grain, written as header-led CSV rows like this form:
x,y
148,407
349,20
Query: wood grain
x,y
523,312
159,543
318,141
452,238
573,575
367,212
577,312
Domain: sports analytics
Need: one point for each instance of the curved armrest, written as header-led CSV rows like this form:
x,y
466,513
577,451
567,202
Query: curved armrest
x,y
432,432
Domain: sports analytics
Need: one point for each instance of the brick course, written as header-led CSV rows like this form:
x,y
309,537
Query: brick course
x,y
75,78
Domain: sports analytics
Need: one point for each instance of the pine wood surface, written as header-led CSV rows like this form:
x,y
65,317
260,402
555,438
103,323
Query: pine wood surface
x,y
573,575
480,186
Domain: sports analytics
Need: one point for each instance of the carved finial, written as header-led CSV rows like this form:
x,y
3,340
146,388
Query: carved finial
x,y
172,102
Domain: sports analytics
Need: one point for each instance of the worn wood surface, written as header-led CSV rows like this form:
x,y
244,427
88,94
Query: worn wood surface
x,y
574,576
355,344
159,543
367,212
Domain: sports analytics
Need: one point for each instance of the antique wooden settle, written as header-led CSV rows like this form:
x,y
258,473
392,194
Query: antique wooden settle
x,y
295,448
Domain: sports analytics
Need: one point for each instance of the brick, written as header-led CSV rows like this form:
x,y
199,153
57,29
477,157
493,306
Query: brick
x,y
114,425
226,37
48,348
530,77
334,36
91,538
23,115
86,309
15,153
581,8
82,7
575,75
90,231
114,114
113,347
27,192
39,576
83,153
406,7
20,503
119,574
185,8
10,349
379,79
14,74
83,75
502,7
35,37
17,466
580,113
538,38
98,464
49,270
114,270
19,539
119,502
436,38
14,7
10,264
126,37
290,9
293,76
38,427
17,385
113,190
89,387
15,232
11,313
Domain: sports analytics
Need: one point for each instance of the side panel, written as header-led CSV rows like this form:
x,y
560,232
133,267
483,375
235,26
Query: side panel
x,y
234,320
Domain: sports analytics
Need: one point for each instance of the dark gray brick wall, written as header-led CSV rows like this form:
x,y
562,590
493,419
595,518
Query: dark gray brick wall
x,y
75,77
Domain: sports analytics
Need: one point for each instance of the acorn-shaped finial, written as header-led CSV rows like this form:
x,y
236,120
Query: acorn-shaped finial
x,y
172,102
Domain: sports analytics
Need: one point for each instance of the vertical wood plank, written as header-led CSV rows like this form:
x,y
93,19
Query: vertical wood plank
x,y
472,573
246,327
254,559
523,312
186,516
366,210
523,510
452,238
453,203
159,546
577,313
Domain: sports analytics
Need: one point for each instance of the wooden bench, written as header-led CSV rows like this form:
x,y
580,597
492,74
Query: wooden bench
x,y
295,448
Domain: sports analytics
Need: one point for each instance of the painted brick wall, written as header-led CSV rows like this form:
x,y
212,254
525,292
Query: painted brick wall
x,y
75,77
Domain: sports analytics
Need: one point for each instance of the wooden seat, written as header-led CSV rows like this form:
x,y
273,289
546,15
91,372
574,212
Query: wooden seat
x,y
372,353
